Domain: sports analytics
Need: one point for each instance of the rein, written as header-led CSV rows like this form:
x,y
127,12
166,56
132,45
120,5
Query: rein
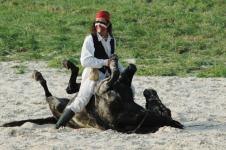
x,y
141,122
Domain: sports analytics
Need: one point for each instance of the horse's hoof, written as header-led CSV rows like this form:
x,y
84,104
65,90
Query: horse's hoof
x,y
133,68
65,64
37,75
71,90
69,65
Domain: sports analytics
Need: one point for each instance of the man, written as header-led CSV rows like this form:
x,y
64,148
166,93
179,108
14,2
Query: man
x,y
95,57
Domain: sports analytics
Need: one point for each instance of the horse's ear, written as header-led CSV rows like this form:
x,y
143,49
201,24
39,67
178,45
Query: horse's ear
x,y
146,93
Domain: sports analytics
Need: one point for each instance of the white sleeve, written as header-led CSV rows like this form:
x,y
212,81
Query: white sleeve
x,y
87,55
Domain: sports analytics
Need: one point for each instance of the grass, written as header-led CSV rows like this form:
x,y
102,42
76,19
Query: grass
x,y
166,38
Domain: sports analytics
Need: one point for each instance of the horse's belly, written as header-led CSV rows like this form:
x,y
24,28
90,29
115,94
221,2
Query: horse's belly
x,y
83,120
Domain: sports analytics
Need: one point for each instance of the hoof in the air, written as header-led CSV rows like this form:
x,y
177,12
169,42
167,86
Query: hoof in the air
x,y
65,64
71,89
37,75
69,65
132,68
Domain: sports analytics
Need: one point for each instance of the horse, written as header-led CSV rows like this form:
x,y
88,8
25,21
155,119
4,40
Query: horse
x,y
111,107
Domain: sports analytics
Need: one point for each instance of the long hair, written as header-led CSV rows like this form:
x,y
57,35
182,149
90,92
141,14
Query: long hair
x,y
109,28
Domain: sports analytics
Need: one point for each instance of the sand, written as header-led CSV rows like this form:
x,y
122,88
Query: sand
x,y
198,103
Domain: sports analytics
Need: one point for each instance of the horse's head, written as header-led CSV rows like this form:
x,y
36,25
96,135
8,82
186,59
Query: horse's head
x,y
150,95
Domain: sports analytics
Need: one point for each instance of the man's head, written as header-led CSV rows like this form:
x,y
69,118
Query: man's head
x,y
102,21
102,14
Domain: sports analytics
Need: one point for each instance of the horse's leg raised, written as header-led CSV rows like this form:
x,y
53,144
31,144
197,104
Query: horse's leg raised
x,y
108,83
72,87
127,75
56,105
114,70
38,77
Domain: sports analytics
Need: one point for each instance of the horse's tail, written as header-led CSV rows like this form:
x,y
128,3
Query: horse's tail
x,y
48,120
176,124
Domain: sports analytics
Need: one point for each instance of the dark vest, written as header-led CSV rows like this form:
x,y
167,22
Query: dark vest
x,y
100,51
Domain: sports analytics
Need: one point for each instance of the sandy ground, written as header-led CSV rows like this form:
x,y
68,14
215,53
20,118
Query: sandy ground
x,y
200,104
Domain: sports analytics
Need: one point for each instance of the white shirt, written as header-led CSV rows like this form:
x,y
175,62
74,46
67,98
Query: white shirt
x,y
89,61
87,55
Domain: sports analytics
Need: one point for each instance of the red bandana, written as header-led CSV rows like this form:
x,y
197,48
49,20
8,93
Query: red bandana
x,y
103,14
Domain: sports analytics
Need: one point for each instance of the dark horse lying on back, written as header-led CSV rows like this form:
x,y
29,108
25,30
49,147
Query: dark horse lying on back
x,y
112,106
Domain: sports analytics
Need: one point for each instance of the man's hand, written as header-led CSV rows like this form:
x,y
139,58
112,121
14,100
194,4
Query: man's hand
x,y
113,57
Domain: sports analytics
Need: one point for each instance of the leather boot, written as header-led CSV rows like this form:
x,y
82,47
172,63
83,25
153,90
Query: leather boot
x,y
64,118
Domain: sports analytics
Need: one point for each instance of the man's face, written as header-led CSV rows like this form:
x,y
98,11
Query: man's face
x,y
101,25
